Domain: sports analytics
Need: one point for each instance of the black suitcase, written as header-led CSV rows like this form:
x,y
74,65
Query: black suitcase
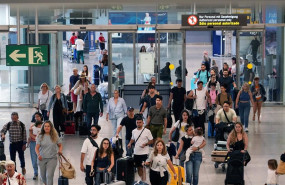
x,y
96,74
82,127
2,153
62,181
125,170
235,169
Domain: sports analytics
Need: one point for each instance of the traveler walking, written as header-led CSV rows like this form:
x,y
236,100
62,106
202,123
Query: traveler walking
x,y
200,96
159,161
116,110
80,89
165,74
79,44
258,93
150,99
47,148
227,80
130,123
142,138
59,105
44,97
178,95
226,67
86,73
102,41
11,177
89,148
243,100
72,81
203,75
92,106
17,137
157,119
178,71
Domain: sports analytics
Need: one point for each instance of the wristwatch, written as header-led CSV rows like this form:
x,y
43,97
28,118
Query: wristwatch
x,y
198,148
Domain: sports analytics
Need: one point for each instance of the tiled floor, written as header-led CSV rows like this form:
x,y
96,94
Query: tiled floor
x,y
266,141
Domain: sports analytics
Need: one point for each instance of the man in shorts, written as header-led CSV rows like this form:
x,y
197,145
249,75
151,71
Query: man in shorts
x,y
142,138
157,119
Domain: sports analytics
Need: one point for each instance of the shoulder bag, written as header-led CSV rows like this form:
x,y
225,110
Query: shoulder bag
x,y
140,135
44,105
66,167
175,134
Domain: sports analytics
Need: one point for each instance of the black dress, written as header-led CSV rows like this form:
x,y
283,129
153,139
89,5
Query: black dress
x,y
58,116
238,146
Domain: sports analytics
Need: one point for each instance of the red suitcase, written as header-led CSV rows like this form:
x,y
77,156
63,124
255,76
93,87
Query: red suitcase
x,y
69,127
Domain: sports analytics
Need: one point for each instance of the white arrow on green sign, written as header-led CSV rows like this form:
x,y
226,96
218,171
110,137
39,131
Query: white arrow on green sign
x,y
27,55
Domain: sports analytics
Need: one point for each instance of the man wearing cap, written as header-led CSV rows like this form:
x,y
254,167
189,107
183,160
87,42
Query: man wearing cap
x,y
88,150
130,123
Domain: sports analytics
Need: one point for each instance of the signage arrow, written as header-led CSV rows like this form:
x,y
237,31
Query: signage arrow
x,y
15,55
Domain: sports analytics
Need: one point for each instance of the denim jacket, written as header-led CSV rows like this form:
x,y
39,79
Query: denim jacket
x,y
53,99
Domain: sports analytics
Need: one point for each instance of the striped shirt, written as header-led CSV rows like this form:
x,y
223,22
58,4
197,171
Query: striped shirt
x,y
15,132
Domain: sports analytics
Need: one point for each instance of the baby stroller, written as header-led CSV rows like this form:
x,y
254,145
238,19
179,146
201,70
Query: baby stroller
x,y
235,170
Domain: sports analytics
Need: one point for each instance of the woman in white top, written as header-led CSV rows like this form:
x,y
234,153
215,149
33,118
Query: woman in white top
x,y
116,110
159,159
213,79
44,97
181,123
80,89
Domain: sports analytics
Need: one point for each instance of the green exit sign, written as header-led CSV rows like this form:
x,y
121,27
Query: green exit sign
x,y
27,55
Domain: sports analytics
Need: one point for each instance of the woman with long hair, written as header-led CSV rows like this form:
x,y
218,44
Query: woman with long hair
x,y
238,140
44,97
104,160
158,161
80,89
213,79
47,148
258,93
59,105
34,131
193,165
243,100
86,72
116,110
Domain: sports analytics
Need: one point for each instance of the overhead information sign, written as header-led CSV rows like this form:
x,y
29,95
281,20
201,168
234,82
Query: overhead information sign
x,y
214,20
27,55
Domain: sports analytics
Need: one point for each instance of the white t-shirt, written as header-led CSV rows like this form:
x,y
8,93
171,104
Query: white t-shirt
x,y
143,139
197,141
79,44
36,130
272,178
13,180
157,161
201,99
182,129
89,150
45,97
230,114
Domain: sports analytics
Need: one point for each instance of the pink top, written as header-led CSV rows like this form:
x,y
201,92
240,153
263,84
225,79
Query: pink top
x,y
213,94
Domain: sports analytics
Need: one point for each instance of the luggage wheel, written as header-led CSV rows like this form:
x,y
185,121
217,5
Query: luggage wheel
x,y
216,165
223,167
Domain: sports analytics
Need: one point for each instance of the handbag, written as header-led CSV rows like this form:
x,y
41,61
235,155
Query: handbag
x,y
281,167
182,156
66,167
77,90
44,105
175,134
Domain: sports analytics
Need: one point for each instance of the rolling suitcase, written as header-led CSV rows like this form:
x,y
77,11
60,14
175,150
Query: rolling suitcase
x,y
125,170
82,127
2,153
62,181
107,180
69,127
219,156
96,74
180,175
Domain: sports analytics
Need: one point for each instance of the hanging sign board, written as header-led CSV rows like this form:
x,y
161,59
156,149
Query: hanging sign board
x,y
214,20
146,61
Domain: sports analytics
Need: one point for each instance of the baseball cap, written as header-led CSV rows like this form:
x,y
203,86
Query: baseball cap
x,y
129,108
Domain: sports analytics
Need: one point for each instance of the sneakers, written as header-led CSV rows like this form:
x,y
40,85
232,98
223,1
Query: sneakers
x,y
246,129
24,171
35,177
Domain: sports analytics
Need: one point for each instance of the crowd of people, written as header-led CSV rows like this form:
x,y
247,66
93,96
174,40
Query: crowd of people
x,y
216,92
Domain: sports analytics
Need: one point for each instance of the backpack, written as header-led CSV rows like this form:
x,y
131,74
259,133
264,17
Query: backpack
x,y
22,126
189,102
198,75
219,97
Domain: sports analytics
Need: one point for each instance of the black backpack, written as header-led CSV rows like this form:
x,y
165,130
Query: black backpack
x,y
189,102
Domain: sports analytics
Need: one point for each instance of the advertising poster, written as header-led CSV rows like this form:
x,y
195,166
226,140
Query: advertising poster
x,y
92,44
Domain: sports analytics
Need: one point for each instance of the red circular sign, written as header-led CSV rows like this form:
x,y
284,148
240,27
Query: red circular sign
x,y
192,20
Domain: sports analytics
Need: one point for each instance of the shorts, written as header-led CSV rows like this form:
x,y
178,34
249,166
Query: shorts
x,y
73,97
156,130
138,159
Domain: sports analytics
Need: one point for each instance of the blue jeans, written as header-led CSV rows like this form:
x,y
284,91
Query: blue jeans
x,y
193,167
44,113
95,116
244,110
129,151
116,123
34,157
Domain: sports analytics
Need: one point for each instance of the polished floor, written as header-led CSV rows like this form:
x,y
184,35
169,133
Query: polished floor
x,y
266,141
